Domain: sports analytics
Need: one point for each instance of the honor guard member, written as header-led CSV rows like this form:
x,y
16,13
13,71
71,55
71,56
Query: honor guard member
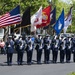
x,y
68,49
52,47
62,49
73,49
55,49
28,39
29,50
20,50
10,50
33,40
39,47
47,46
17,42
17,47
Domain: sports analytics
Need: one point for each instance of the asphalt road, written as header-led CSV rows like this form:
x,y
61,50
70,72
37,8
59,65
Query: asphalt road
x,y
35,69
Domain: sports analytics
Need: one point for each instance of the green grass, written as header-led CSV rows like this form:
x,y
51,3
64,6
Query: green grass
x,y
72,73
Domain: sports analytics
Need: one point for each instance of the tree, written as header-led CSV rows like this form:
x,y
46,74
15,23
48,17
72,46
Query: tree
x,y
7,5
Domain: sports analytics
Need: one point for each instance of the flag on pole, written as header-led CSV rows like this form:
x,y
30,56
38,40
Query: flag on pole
x,y
33,27
36,19
52,18
45,17
68,20
10,18
26,18
38,16
60,23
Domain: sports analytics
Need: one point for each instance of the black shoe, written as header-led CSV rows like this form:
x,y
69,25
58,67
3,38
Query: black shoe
x,y
74,60
21,64
29,63
8,64
67,61
47,62
38,62
18,63
54,61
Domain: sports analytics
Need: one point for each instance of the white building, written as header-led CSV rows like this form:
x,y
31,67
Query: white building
x,y
1,33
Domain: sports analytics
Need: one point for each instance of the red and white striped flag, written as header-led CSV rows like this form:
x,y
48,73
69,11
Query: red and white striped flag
x,y
10,18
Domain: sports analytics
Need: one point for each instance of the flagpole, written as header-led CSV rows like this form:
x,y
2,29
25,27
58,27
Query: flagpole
x,y
53,3
42,28
20,27
34,33
71,23
30,14
52,6
9,30
70,29
50,30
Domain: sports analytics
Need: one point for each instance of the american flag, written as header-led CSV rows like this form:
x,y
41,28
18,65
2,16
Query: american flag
x,y
10,18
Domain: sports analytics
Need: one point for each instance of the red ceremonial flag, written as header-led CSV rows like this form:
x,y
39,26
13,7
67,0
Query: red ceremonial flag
x,y
45,17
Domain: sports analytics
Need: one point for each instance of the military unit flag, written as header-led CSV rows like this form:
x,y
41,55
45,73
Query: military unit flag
x,y
52,18
41,19
59,24
68,20
45,17
26,18
36,19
